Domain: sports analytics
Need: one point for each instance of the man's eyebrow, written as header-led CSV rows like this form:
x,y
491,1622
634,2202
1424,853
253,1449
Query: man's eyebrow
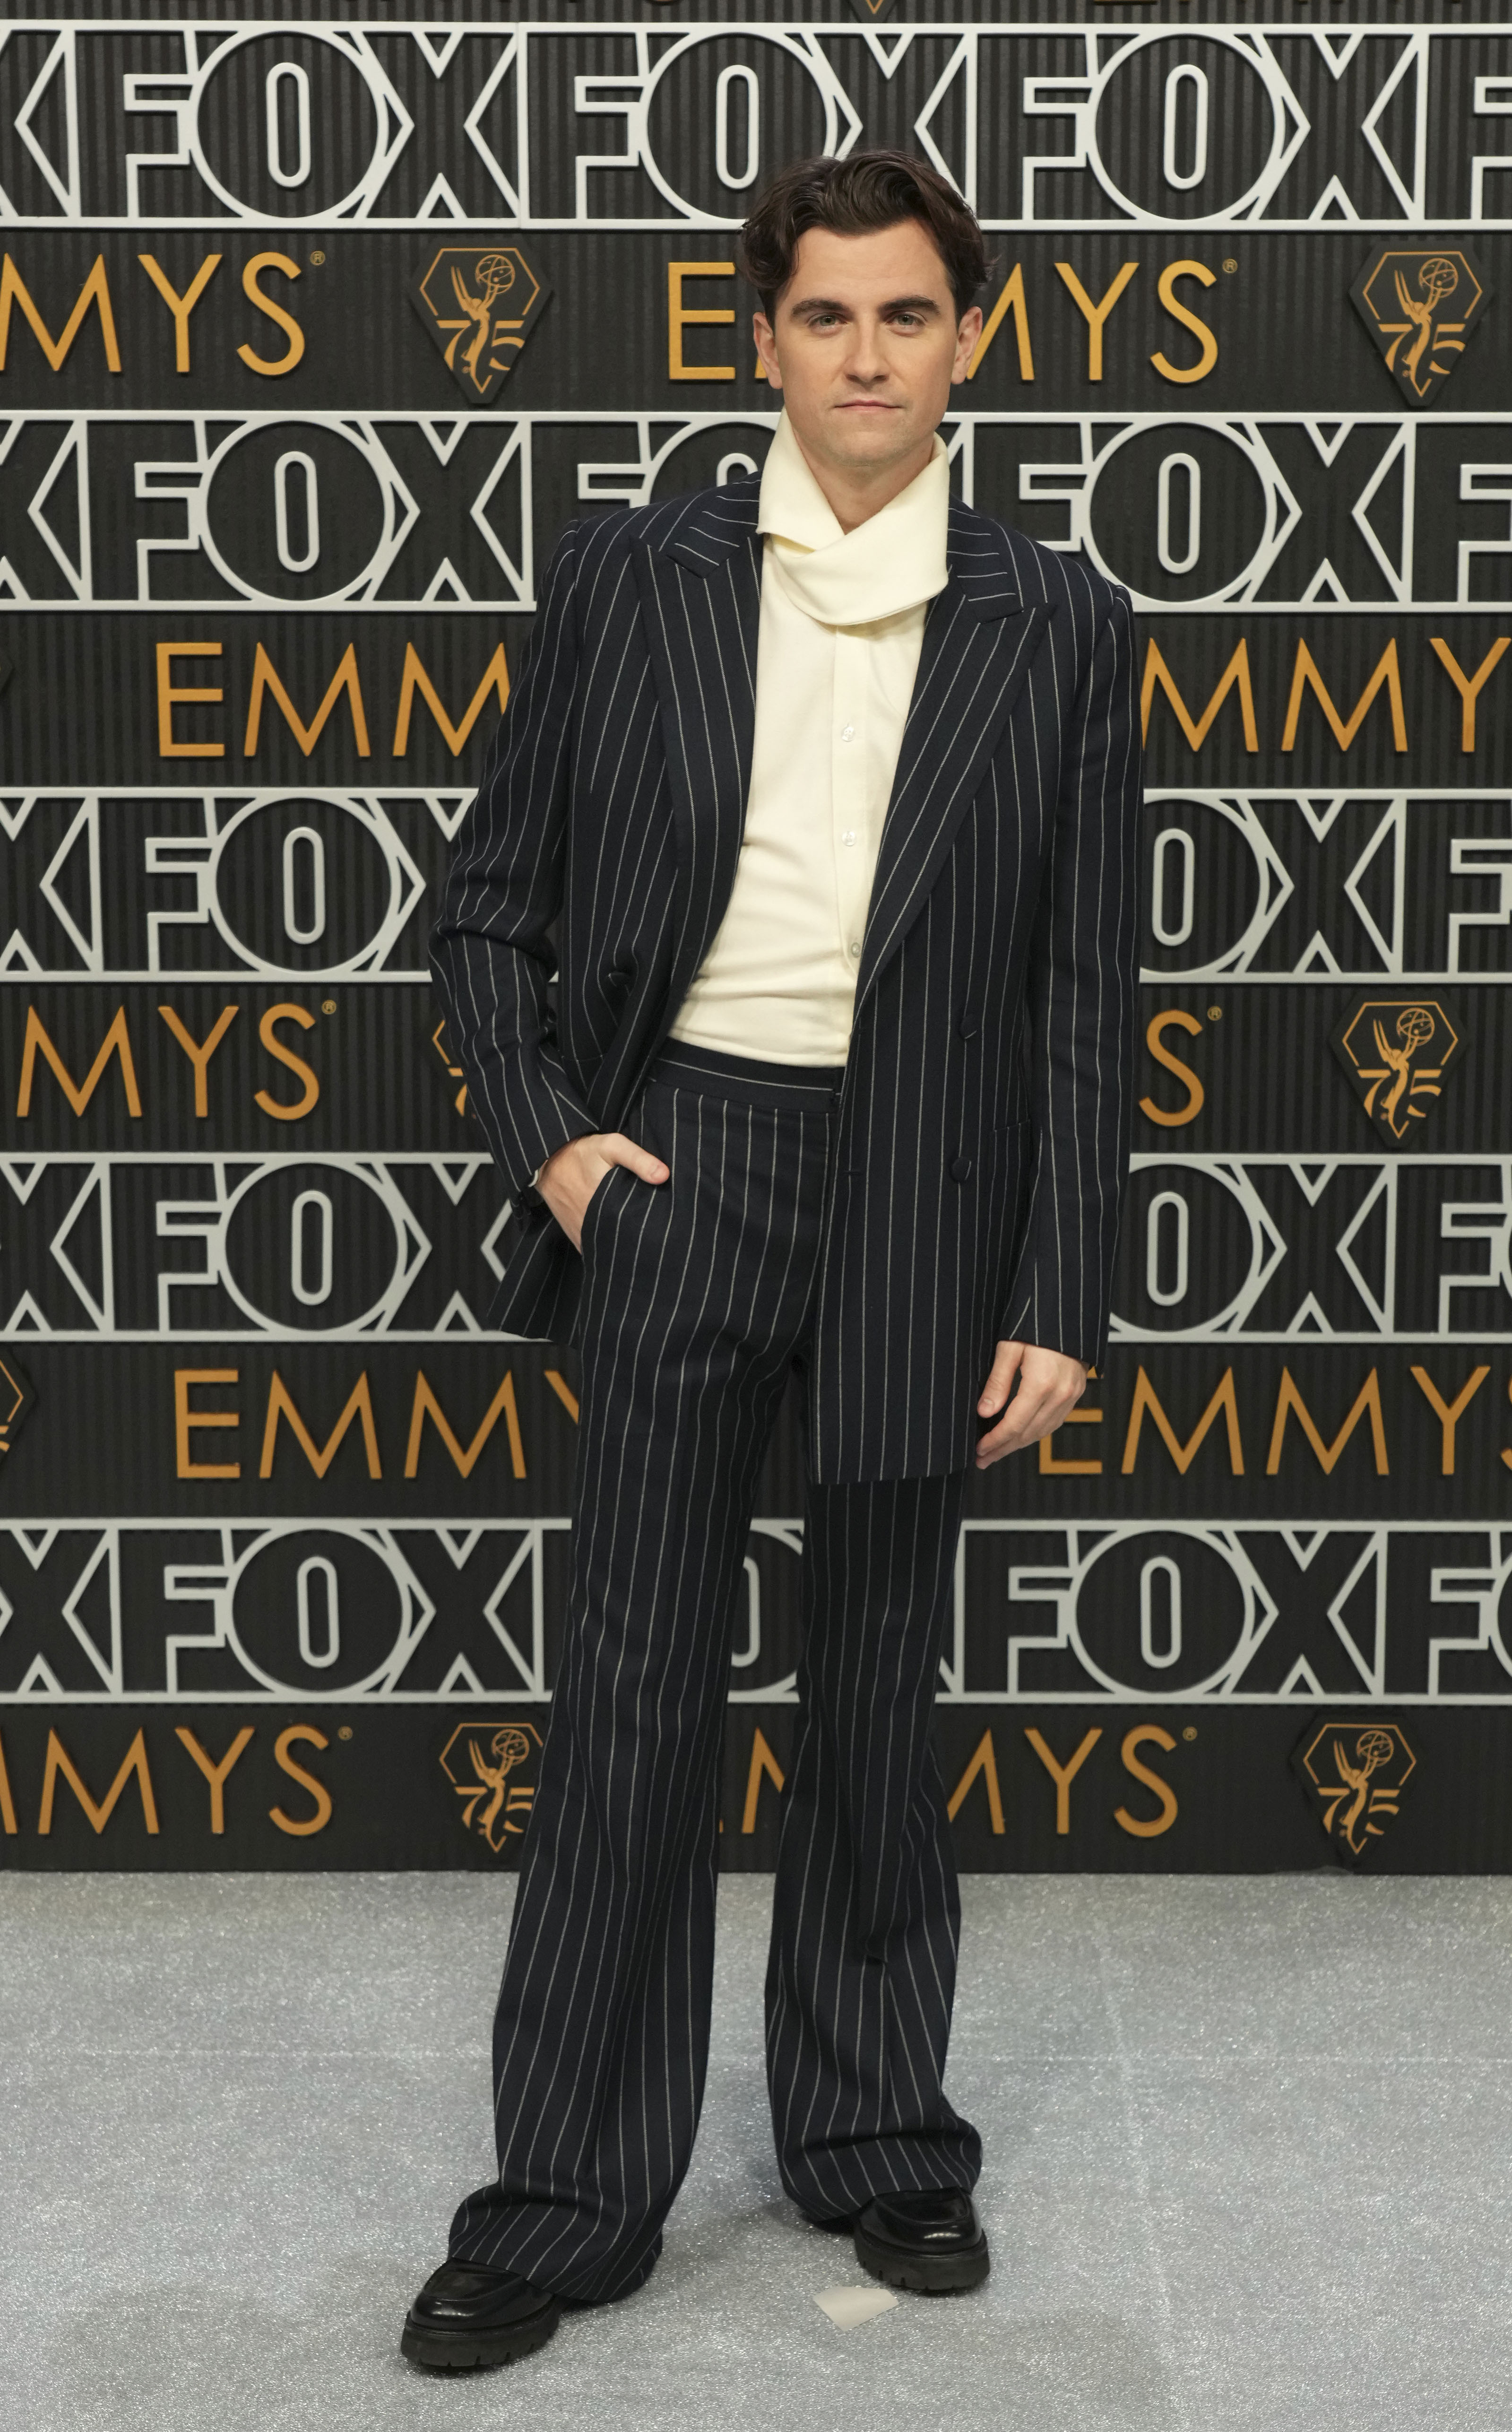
x,y
894,304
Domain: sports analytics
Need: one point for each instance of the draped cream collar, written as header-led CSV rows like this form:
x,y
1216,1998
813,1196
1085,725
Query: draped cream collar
x,y
895,560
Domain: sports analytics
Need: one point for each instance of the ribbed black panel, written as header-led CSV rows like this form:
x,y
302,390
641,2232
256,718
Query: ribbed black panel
x,y
239,1179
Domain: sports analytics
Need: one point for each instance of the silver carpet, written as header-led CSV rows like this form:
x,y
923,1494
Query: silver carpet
x,y
1248,2145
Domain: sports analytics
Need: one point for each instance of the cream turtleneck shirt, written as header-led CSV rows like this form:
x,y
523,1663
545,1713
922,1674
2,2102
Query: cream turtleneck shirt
x,y
842,622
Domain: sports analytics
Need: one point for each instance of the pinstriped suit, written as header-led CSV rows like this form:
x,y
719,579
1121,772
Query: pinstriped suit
x,y
983,1128
882,1225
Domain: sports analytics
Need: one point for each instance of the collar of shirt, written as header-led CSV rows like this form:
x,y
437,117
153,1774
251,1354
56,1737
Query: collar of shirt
x,y
895,560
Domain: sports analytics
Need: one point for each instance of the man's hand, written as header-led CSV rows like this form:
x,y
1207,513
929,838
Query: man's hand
x,y
568,1180
1048,1384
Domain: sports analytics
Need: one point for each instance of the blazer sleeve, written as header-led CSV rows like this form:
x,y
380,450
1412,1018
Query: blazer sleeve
x,y
1082,982
491,952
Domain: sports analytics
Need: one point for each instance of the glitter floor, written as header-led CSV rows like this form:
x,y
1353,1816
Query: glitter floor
x,y
1246,2168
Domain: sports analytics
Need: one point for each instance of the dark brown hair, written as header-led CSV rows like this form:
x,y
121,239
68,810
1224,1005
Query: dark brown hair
x,y
871,190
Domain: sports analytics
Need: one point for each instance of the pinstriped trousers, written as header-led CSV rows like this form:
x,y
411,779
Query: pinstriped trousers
x,y
698,1296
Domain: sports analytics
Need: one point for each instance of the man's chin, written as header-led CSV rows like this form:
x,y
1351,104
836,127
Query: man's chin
x,y
869,442
871,418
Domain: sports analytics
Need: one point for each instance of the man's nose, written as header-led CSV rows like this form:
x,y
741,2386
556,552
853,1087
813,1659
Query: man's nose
x,y
865,362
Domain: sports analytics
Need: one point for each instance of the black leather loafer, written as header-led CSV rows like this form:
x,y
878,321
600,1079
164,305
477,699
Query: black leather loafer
x,y
465,2316
932,2241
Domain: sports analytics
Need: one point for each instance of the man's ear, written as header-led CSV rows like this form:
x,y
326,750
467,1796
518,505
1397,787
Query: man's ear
x,y
767,347
969,331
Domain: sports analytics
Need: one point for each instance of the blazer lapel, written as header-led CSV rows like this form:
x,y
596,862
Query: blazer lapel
x,y
979,639
700,603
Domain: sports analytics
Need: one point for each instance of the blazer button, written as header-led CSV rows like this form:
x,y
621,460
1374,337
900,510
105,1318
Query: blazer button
x,y
960,1169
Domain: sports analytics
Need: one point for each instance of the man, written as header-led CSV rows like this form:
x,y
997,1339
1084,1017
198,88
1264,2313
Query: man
x,y
819,794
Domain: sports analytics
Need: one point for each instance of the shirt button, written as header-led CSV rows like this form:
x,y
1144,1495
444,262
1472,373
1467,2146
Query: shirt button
x,y
846,734
855,953
849,837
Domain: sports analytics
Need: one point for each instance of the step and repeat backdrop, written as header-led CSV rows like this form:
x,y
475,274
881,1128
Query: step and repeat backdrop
x,y
312,335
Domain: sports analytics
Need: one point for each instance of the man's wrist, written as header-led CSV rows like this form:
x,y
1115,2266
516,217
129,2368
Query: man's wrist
x,y
535,1178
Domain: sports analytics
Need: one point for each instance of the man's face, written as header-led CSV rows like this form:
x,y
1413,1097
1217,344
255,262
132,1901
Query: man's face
x,y
865,346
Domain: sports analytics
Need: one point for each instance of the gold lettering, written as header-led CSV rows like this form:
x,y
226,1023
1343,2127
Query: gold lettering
x,y
317,1789
1367,1400
117,1041
1306,673
1236,674
187,1421
983,1760
265,679
180,306
7,1805
1158,1023
1145,1398
1166,290
95,291
564,1393
1014,301
1449,1413
60,1761
301,1105
1050,1467
215,1774
1466,686
426,1406
200,1055
761,1762
1095,315
1141,1736
1063,1775
169,748
359,1407
250,289
680,316
495,679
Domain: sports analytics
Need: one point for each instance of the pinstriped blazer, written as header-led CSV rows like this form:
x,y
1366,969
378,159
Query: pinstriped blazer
x,y
983,1129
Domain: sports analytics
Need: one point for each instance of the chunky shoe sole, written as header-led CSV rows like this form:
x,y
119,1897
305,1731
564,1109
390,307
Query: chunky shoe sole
x,y
445,2351
932,2275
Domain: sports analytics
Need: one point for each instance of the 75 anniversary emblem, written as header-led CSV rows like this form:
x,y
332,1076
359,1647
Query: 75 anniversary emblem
x,y
479,303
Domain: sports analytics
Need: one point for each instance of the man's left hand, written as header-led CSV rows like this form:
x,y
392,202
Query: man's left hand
x,y
1049,1383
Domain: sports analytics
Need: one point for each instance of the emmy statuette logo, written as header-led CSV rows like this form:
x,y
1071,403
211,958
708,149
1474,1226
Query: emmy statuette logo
x,y
1355,1774
454,1072
16,1398
1419,306
1396,1050
482,1762
479,303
